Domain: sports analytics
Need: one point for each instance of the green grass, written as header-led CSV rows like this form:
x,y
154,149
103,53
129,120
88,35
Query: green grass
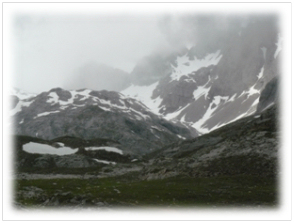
x,y
177,191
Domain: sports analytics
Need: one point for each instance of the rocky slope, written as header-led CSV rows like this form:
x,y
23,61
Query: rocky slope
x,y
91,114
269,96
248,146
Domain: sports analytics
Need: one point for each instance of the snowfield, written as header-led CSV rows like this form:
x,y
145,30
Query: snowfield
x,y
186,66
106,148
39,148
144,94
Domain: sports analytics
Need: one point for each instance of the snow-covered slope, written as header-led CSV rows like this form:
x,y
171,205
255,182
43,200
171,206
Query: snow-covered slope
x,y
208,90
185,66
186,74
144,94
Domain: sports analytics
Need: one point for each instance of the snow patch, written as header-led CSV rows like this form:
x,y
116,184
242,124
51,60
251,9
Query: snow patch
x,y
141,114
176,113
104,108
279,45
106,148
63,107
19,106
104,161
155,127
253,91
270,105
45,113
201,90
233,97
183,118
47,149
260,75
111,105
183,69
208,114
144,94
181,137
53,98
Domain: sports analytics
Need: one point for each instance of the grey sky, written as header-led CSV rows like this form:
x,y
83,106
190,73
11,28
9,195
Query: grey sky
x,y
49,49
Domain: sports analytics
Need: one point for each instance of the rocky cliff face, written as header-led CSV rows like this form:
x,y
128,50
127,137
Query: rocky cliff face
x,y
269,96
211,85
91,114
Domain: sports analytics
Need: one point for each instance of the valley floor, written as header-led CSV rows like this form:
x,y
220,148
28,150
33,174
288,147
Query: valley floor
x,y
129,191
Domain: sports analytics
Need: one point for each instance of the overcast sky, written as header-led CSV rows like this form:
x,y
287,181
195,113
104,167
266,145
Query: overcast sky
x,y
49,49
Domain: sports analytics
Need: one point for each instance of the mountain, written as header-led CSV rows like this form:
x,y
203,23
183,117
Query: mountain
x,y
247,147
89,114
234,166
174,95
211,85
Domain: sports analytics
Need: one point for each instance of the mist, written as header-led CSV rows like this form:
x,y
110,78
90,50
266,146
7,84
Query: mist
x,y
110,52
207,29
51,50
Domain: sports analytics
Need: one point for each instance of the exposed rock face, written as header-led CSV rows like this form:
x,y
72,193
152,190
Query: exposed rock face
x,y
211,85
95,114
269,95
247,146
